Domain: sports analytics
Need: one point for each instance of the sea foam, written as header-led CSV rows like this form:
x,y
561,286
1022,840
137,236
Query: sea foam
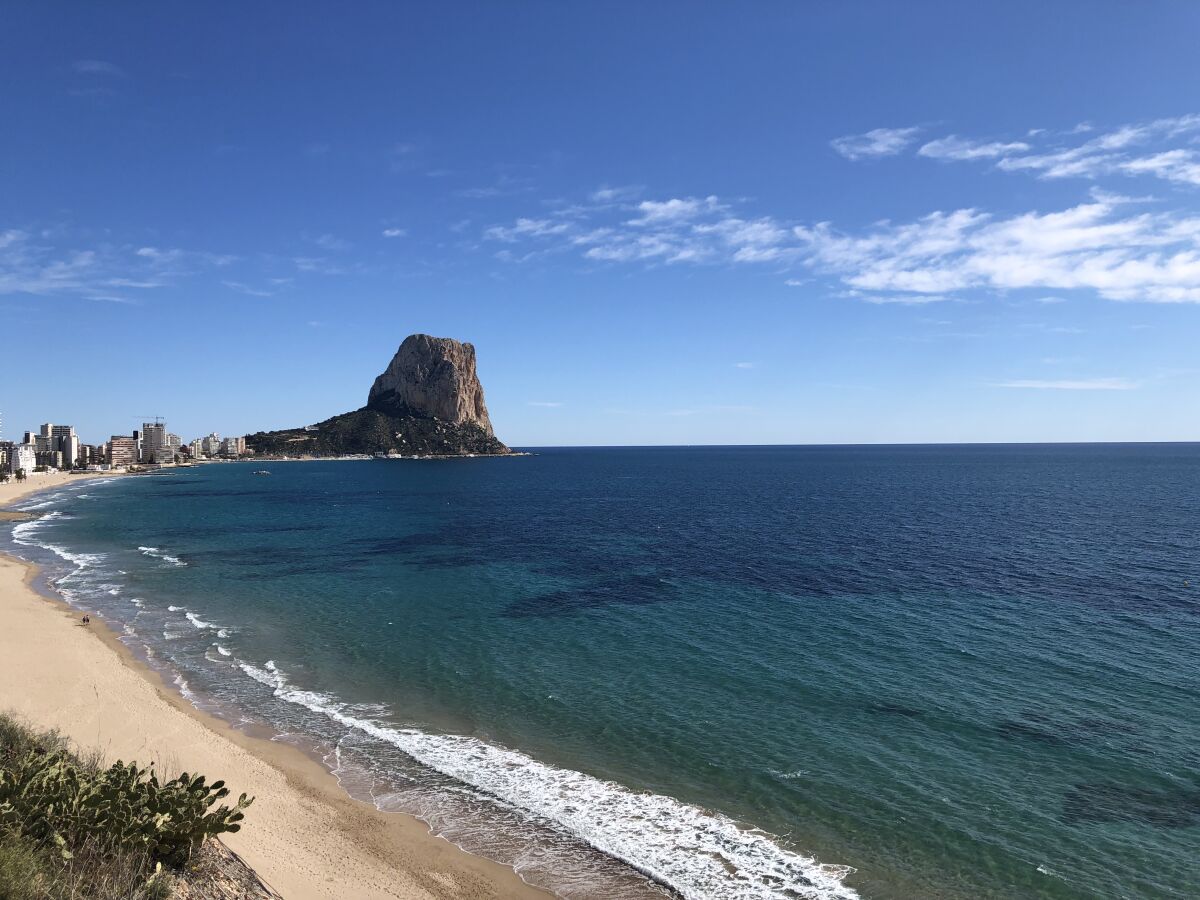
x,y
156,553
198,622
700,854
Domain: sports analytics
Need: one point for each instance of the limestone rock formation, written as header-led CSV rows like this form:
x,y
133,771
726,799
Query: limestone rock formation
x,y
435,378
428,402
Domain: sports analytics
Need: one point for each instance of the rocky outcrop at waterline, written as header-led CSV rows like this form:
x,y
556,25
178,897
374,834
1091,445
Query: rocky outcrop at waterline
x,y
427,402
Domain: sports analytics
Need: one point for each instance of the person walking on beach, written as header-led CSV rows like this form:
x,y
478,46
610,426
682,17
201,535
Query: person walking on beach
x,y
87,620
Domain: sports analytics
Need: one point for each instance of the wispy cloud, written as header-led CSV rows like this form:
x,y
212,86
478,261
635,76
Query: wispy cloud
x,y
403,156
1138,256
954,147
902,299
1113,246
743,365
674,230
1117,247
395,232
32,264
878,142
658,212
548,404
1086,384
608,194
330,242
504,186
524,228
97,67
247,289
1162,148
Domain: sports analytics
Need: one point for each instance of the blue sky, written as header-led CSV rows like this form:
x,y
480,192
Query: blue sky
x,y
658,223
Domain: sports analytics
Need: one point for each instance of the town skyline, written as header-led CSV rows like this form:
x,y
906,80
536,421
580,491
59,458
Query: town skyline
x,y
58,446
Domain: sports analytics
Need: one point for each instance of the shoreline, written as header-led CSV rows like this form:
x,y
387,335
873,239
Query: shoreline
x,y
304,835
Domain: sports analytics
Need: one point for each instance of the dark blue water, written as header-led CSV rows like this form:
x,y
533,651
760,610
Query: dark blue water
x,y
964,672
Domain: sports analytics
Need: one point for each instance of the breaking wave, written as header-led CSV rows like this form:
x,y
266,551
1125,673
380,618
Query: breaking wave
x,y
155,553
700,854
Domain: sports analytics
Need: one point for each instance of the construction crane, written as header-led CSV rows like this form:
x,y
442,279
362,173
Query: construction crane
x,y
158,420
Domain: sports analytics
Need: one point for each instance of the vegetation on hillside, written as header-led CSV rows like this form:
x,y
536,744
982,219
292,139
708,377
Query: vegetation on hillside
x,y
370,430
71,828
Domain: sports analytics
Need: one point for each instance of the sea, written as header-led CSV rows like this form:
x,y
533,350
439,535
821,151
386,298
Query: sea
x,y
720,672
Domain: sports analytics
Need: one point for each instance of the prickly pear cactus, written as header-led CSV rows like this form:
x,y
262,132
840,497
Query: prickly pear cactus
x,y
52,799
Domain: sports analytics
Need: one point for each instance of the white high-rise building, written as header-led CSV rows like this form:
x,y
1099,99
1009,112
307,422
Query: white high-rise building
x,y
22,456
69,447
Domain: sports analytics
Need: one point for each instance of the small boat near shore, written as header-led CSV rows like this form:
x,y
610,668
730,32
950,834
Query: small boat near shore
x,y
262,472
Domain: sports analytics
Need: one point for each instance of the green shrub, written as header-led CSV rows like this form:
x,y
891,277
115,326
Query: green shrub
x,y
72,828
54,800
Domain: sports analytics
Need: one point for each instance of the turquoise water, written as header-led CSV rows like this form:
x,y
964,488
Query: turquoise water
x,y
962,672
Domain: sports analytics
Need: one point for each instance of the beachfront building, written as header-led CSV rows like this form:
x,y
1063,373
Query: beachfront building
x,y
68,446
154,438
234,446
211,445
22,456
55,446
122,451
197,449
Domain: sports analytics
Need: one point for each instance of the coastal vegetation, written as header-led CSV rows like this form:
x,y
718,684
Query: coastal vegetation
x,y
71,827
374,431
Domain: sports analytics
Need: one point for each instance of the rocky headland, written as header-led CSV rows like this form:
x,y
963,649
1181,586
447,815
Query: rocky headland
x,y
427,402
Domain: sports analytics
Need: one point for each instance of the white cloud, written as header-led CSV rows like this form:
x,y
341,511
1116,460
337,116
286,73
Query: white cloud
x,y
525,228
874,144
549,404
1150,257
97,67
171,256
954,147
1107,246
903,299
331,242
1107,153
247,289
317,265
608,194
658,212
743,365
505,186
41,266
1087,384
394,232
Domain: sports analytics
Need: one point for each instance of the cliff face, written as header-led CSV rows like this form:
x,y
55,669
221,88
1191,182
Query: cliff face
x,y
428,402
434,378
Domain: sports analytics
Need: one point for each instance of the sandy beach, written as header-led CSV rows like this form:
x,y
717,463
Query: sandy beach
x,y
303,835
